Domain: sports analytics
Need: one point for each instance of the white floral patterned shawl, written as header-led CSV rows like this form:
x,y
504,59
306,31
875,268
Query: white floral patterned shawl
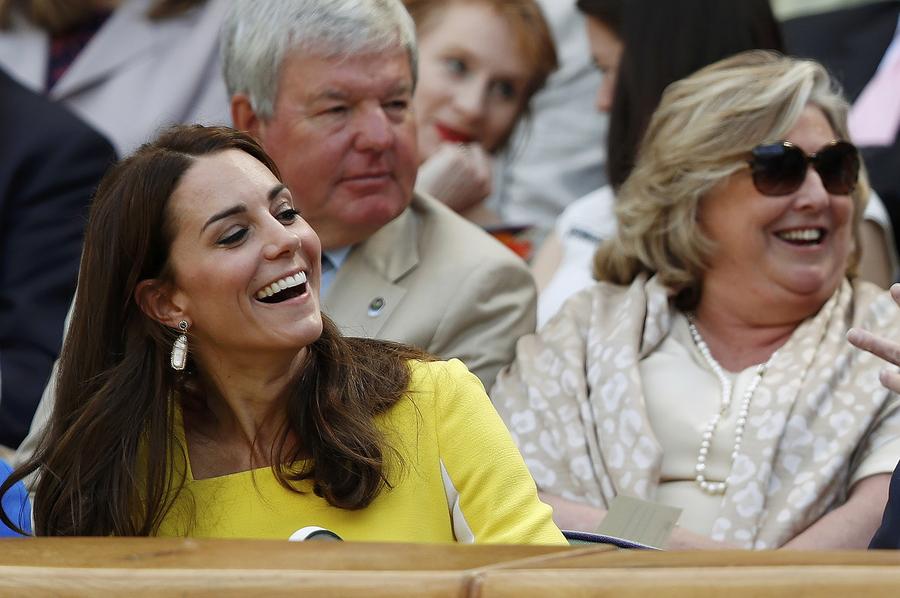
x,y
574,403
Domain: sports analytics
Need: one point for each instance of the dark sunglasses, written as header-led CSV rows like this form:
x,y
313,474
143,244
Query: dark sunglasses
x,y
780,168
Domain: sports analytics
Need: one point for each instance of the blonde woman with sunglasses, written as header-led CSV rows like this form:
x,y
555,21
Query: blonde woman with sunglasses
x,y
709,370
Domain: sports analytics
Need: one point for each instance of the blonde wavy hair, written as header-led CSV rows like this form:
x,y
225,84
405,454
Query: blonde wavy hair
x,y
702,132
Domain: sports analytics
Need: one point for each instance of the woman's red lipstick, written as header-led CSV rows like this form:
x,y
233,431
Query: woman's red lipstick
x,y
452,135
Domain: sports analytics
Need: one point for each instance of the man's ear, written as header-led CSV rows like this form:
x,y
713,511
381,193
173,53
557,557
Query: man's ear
x,y
244,116
156,299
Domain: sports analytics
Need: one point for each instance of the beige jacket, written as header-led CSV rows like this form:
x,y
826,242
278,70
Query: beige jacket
x,y
431,279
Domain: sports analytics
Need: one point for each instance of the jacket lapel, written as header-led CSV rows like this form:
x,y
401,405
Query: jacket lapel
x,y
364,293
125,35
30,46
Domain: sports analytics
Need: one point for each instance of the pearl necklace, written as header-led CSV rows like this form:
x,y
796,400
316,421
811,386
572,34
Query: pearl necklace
x,y
706,439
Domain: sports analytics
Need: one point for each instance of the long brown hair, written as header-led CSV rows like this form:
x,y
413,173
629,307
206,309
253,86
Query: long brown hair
x,y
687,35
106,463
58,16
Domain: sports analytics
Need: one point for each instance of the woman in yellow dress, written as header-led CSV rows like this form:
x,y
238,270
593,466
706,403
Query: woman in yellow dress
x,y
202,392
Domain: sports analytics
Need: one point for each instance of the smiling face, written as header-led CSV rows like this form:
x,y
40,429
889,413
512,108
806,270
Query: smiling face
x,y
606,50
343,136
236,235
473,78
791,250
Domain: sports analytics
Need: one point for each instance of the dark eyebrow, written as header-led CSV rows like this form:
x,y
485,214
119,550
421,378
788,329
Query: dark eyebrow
x,y
273,193
224,214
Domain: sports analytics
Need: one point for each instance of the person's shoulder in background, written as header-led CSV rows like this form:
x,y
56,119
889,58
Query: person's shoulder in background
x,y
50,164
888,535
136,75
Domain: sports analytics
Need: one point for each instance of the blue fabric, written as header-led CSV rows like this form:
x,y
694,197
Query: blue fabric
x,y
15,505
577,537
332,261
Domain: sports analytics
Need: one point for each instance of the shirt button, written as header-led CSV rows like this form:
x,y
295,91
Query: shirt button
x,y
376,306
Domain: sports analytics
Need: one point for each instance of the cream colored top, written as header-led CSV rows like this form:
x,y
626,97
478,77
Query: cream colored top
x,y
574,400
676,374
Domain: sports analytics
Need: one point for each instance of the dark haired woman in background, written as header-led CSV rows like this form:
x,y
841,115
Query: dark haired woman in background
x,y
201,392
642,46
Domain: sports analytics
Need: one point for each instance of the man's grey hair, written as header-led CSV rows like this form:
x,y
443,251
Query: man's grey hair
x,y
258,34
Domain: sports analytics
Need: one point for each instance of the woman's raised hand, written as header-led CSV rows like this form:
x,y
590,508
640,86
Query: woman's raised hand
x,y
887,349
460,175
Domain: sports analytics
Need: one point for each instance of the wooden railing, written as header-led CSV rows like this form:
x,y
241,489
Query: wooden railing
x,y
165,567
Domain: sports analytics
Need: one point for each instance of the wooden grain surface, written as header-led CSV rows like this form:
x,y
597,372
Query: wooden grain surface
x,y
165,567
696,582
175,553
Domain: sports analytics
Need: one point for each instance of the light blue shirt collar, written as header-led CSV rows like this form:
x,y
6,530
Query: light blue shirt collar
x,y
332,260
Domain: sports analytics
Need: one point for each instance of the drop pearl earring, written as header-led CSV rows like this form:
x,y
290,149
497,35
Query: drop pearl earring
x,y
179,350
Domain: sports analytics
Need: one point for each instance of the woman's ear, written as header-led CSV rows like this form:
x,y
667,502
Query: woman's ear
x,y
155,298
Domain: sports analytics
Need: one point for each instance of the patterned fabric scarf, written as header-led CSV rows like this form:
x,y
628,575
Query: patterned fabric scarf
x,y
573,401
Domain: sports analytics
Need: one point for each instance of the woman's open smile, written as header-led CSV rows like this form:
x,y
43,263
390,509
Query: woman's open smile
x,y
254,264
